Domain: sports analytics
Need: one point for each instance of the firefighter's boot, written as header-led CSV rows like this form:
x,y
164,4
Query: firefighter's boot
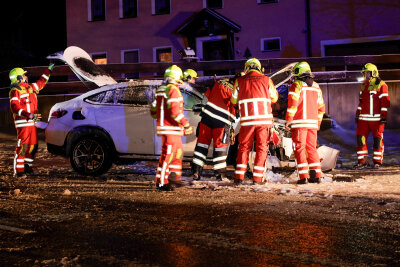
x,y
197,172
220,174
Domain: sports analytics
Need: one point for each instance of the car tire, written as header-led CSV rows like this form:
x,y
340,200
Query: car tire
x,y
91,155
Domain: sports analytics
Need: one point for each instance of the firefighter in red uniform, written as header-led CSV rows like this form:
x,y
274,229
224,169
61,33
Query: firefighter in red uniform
x,y
167,108
304,116
371,115
254,92
24,107
217,116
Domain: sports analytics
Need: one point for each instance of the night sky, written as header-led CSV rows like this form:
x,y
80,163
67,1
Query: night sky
x,y
30,31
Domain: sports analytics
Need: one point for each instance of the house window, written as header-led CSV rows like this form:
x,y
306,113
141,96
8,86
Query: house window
x,y
271,44
130,56
161,7
128,8
214,4
163,54
99,58
267,1
97,10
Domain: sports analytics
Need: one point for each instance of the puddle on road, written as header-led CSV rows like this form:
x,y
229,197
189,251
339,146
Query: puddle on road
x,y
204,236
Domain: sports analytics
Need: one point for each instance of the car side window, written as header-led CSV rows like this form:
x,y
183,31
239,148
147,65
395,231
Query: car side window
x,y
133,95
97,98
106,97
109,97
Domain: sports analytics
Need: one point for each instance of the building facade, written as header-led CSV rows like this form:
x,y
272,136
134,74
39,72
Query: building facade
x,y
129,31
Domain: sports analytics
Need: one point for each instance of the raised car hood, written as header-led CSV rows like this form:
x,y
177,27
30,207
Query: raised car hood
x,y
83,66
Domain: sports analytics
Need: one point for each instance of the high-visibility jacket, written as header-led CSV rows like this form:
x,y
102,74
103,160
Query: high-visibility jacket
x,y
254,92
374,100
23,100
306,106
167,108
219,111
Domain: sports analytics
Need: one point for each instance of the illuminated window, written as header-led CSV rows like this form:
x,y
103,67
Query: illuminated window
x,y
161,7
100,58
267,1
129,8
97,10
214,4
271,44
163,54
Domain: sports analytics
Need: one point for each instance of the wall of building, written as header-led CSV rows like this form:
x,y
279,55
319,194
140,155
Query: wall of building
x,y
330,20
147,31
343,19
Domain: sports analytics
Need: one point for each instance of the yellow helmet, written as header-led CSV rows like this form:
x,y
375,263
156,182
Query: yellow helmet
x,y
16,75
189,74
252,63
372,68
302,69
173,72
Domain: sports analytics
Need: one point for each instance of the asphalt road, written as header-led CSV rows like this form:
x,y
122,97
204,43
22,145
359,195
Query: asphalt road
x,y
62,219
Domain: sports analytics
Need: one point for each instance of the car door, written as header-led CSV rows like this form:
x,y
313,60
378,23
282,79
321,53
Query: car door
x,y
138,123
188,142
126,118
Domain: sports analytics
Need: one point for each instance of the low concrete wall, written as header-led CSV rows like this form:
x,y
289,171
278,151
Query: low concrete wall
x,y
341,101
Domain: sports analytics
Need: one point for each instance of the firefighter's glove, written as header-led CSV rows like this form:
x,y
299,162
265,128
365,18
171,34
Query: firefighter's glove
x,y
35,117
51,66
188,130
383,121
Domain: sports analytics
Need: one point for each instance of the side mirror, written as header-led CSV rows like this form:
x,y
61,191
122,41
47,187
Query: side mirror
x,y
197,108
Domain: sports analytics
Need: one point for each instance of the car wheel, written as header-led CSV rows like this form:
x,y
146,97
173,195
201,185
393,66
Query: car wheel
x,y
90,156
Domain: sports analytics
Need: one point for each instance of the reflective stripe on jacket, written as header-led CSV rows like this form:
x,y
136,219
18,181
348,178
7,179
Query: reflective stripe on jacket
x,y
167,108
254,93
306,106
374,100
23,100
219,110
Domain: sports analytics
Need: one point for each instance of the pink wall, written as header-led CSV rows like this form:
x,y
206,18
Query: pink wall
x,y
342,19
329,20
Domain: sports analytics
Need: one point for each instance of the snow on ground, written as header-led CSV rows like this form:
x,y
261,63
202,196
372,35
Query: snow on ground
x,y
373,184
343,181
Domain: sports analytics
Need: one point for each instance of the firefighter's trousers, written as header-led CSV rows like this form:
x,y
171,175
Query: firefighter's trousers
x,y
364,128
305,152
261,135
170,159
220,142
26,148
